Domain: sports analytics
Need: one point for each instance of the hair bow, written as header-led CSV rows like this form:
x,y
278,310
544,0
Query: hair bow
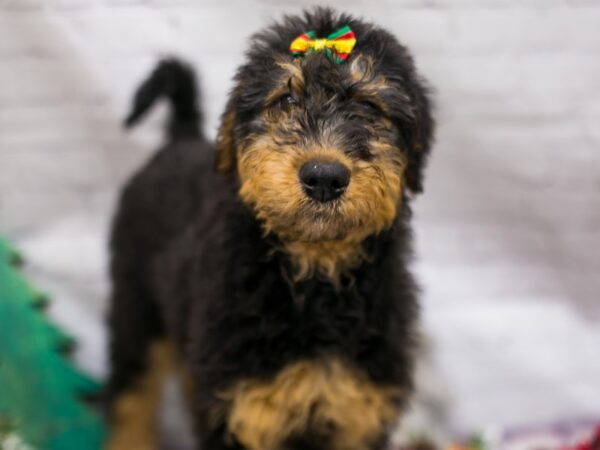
x,y
338,45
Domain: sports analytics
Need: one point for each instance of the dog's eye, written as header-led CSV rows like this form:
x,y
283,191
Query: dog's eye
x,y
288,101
371,106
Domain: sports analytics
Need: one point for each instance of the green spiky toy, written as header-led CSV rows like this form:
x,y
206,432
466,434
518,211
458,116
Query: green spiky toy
x,y
40,392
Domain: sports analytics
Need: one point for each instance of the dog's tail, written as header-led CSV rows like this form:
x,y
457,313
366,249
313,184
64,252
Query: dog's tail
x,y
175,81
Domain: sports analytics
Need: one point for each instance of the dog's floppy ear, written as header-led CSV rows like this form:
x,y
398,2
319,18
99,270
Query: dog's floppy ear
x,y
420,135
407,103
226,145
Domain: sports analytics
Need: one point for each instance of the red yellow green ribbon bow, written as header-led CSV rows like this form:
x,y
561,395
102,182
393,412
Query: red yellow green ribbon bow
x,y
338,45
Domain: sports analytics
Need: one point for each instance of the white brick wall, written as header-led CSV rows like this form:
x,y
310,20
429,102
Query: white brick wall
x,y
508,233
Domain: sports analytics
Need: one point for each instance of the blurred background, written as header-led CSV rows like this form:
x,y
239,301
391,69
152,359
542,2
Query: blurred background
x,y
507,233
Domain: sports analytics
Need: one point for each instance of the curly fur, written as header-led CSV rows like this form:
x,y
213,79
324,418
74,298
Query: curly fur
x,y
211,259
322,394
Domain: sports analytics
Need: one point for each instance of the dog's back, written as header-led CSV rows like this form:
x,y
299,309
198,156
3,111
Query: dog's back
x,y
156,205
164,194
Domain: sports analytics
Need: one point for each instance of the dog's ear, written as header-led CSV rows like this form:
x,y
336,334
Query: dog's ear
x,y
407,103
419,136
226,144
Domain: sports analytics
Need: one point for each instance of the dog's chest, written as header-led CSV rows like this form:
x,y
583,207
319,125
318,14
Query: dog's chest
x,y
314,317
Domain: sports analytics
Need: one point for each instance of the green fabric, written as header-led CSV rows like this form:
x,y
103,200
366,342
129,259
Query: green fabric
x,y
336,34
40,392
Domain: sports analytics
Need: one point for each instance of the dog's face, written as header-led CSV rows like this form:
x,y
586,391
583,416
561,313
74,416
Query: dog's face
x,y
325,151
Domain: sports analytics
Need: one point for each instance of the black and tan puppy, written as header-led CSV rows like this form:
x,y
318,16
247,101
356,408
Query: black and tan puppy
x,y
279,279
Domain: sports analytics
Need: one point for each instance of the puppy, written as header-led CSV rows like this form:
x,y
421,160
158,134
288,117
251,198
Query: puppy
x,y
273,273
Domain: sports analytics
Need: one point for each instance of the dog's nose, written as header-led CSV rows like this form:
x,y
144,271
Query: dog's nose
x,y
324,180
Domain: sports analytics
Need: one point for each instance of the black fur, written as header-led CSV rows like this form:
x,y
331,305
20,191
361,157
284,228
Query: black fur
x,y
190,260
176,81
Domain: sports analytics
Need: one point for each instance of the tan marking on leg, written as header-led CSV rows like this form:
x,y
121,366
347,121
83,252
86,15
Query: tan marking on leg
x,y
323,396
134,425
